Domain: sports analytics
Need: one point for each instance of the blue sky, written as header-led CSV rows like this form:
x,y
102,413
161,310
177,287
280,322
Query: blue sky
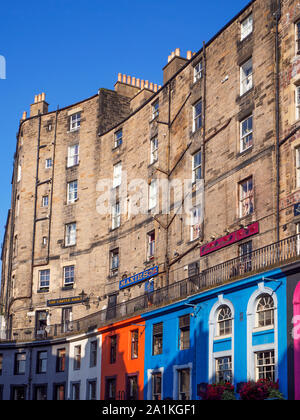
x,y
71,48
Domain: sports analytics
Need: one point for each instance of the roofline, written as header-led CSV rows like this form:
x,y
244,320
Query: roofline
x,y
183,67
156,93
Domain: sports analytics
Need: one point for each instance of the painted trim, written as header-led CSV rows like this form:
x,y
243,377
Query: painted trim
x,y
251,324
149,377
176,368
214,337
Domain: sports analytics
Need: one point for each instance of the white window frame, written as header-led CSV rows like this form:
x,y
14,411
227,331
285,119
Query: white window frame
x,y
198,71
73,155
75,121
197,117
297,102
153,194
48,163
44,279
155,109
246,137
196,167
176,380
45,201
271,309
118,138
297,38
70,234
265,365
249,195
217,359
297,166
154,150
114,256
117,176
69,282
19,174
246,79
214,337
150,373
251,328
247,27
223,321
116,215
298,238
150,246
195,218
72,191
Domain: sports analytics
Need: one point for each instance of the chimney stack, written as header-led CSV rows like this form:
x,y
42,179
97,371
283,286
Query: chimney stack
x,y
40,106
130,85
175,62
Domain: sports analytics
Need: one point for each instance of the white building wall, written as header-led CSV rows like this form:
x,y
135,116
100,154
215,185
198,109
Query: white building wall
x,y
86,372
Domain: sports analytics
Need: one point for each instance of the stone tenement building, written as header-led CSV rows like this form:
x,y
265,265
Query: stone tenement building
x,y
227,115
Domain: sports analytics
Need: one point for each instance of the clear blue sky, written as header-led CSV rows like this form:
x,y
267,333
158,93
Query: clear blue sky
x,y
71,48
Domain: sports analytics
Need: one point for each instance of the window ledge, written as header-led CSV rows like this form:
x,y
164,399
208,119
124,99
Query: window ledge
x,y
250,218
153,163
244,152
243,95
197,131
153,119
74,130
117,147
71,287
263,329
222,337
246,38
43,290
73,166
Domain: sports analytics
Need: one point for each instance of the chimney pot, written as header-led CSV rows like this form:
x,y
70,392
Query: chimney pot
x,y
24,115
142,84
155,87
177,52
133,81
137,83
151,86
189,55
147,84
43,96
35,99
124,78
119,77
129,80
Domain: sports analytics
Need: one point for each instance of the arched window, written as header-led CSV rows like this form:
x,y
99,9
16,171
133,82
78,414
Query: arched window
x,y
224,321
265,311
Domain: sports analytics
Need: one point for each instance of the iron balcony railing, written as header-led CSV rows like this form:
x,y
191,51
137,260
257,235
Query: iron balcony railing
x,y
274,255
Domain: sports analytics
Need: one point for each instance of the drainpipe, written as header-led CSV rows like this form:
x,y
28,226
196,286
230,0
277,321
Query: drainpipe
x,y
277,117
204,128
168,170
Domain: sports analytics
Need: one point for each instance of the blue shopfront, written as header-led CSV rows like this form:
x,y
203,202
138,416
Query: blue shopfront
x,y
236,332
